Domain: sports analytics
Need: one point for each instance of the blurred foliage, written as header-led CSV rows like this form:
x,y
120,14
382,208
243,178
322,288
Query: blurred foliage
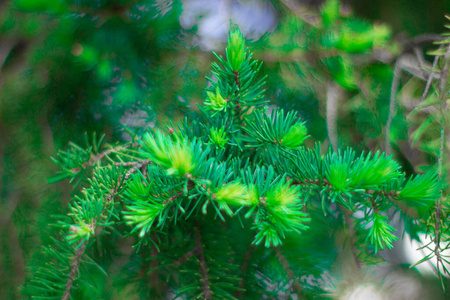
x,y
411,17
74,66
344,54
101,64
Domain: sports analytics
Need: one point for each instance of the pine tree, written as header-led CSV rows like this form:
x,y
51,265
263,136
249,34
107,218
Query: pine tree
x,y
228,204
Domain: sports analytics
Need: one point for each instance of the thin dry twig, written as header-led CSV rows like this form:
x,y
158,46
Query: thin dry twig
x,y
392,103
430,79
332,110
443,106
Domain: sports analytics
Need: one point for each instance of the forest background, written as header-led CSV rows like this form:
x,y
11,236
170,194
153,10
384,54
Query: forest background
x,y
70,67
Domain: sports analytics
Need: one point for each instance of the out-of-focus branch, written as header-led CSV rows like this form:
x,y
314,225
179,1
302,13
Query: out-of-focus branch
x,y
430,79
5,48
332,110
302,11
392,99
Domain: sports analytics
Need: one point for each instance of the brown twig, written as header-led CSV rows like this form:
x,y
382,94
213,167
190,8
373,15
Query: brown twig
x,y
430,79
185,257
207,293
325,183
443,106
74,269
137,165
160,286
96,158
351,229
244,267
238,104
296,284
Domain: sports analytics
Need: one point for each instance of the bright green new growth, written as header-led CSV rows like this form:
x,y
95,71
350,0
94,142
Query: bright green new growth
x,y
236,51
295,136
235,181
215,102
283,195
175,156
218,137
234,193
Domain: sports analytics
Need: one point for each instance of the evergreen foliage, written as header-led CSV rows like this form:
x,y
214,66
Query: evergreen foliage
x,y
229,204
240,175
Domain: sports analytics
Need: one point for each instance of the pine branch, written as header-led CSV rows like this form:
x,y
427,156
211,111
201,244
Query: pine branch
x,y
244,267
136,165
144,268
96,158
185,257
74,269
291,276
238,108
160,287
81,248
207,293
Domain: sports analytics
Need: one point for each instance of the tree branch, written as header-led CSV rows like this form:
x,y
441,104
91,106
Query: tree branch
x,y
349,223
136,165
302,12
185,257
391,111
443,106
296,284
332,109
96,158
207,293
244,267
430,79
74,269
79,252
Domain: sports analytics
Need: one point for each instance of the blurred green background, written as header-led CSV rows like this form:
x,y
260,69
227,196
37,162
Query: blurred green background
x,y
70,67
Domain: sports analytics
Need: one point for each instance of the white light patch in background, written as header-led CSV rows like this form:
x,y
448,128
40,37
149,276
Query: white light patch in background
x,y
213,19
363,292
393,286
